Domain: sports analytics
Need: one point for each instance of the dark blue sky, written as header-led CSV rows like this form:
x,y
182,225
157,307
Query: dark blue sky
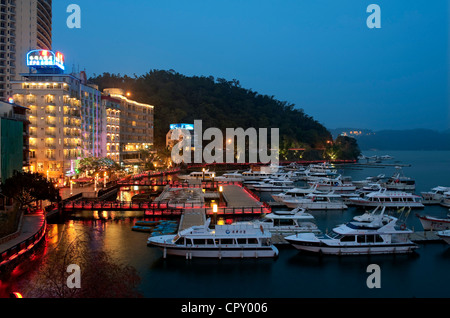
x,y
319,55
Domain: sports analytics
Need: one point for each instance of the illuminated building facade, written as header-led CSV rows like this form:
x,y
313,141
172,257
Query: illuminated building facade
x,y
25,25
129,127
65,114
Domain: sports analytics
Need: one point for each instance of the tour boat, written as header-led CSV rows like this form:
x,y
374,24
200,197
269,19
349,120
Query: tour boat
x,y
288,222
294,193
445,235
230,177
329,184
255,175
361,192
434,223
381,236
446,199
198,175
271,185
393,199
400,182
317,201
435,195
369,180
238,240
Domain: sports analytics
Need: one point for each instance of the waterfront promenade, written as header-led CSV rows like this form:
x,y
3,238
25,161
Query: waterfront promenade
x,y
31,230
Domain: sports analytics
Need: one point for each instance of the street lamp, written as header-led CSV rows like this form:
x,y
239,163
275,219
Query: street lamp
x,y
104,180
220,194
215,209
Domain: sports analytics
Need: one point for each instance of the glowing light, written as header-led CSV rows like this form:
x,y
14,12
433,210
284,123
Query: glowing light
x,y
17,295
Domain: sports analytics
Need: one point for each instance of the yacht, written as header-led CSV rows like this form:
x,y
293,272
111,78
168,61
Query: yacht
x,y
317,201
255,175
435,195
288,222
446,199
198,175
370,216
270,185
445,235
294,193
400,182
230,177
361,192
381,236
238,240
369,180
329,184
392,199
434,223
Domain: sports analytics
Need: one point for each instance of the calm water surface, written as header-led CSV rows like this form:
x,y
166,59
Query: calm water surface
x,y
292,274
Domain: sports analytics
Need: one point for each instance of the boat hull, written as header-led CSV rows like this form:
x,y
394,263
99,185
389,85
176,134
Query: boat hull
x,y
430,223
374,204
322,248
316,205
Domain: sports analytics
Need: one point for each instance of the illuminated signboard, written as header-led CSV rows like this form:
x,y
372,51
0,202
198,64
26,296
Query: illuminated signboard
x,y
45,58
182,126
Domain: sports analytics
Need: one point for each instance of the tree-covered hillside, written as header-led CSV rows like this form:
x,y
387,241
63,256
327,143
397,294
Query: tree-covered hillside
x,y
218,103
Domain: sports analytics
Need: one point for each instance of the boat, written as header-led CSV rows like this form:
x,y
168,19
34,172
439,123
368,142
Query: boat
x,y
288,222
445,235
317,201
294,193
137,228
270,185
446,199
370,216
237,240
381,236
435,195
255,175
400,182
392,199
369,180
361,192
198,175
147,223
434,223
335,184
230,177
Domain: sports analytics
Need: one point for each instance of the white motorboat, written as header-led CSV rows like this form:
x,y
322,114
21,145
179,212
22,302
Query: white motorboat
x,y
392,199
435,195
445,235
270,185
255,175
434,223
335,184
294,193
288,222
230,177
361,192
368,180
370,216
400,182
198,175
446,200
317,201
239,240
381,236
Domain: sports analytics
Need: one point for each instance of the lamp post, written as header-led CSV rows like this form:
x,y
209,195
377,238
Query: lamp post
x,y
215,209
71,187
220,194
104,180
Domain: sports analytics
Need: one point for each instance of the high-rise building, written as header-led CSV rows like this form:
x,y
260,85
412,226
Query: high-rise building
x,y
65,113
25,25
129,127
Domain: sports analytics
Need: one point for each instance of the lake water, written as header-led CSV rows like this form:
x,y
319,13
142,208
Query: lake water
x,y
292,274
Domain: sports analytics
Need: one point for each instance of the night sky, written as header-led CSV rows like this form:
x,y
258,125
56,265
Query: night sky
x,y
318,55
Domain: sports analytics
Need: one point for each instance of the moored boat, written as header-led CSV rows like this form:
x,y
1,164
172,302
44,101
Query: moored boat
x,y
434,223
316,201
445,235
238,240
392,199
381,236
435,195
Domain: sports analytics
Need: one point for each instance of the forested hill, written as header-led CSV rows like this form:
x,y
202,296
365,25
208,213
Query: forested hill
x,y
219,103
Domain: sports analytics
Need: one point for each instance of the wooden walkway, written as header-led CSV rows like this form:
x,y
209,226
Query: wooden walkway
x,y
236,196
192,217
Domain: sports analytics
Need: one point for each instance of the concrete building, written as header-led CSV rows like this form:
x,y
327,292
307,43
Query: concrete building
x,y
129,127
66,117
25,25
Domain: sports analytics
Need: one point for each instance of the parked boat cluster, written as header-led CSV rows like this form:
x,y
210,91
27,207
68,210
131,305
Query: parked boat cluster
x,y
374,232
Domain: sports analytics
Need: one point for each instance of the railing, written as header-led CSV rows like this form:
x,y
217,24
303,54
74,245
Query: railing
x,y
23,247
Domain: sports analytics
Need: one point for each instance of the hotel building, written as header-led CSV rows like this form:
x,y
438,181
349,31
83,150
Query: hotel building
x,y
129,127
25,25
65,113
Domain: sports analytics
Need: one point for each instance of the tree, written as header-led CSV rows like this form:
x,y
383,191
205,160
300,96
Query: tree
x,y
27,188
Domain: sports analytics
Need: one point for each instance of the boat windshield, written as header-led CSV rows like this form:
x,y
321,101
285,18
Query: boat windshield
x,y
335,236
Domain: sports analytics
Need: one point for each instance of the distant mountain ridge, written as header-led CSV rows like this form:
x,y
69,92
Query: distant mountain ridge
x,y
411,139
